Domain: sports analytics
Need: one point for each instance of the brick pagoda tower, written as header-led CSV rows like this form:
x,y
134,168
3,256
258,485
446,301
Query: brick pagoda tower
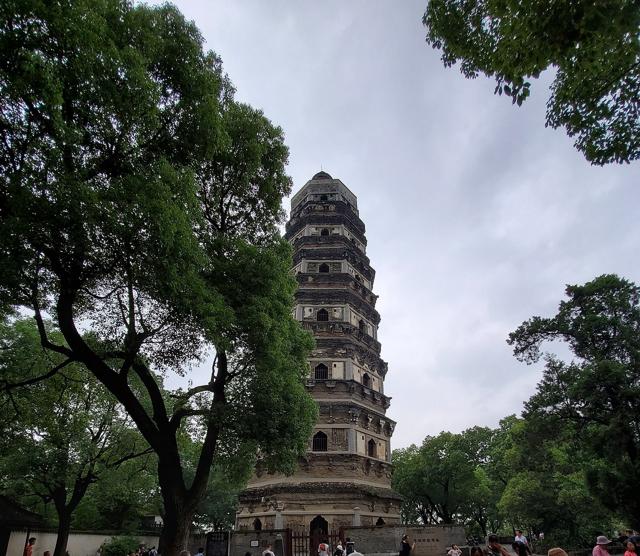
x,y
345,477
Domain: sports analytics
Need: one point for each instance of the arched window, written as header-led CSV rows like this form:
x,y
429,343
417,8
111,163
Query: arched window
x,y
319,442
321,372
324,267
366,380
322,315
371,448
257,524
324,232
361,326
380,522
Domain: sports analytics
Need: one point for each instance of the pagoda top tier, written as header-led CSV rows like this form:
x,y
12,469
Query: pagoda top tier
x,y
322,187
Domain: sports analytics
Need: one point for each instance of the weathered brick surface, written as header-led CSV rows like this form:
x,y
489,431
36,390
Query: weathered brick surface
x,y
430,541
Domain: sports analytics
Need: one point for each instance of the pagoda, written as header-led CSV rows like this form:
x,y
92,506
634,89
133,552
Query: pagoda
x,y
344,479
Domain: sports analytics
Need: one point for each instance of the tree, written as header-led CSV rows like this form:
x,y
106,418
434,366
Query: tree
x,y
437,479
139,202
592,47
122,498
595,398
61,435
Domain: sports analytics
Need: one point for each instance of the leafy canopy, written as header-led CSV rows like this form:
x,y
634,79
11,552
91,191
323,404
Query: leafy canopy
x,y
60,436
593,49
594,398
139,209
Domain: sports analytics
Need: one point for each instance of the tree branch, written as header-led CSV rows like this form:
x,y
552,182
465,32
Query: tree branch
x,y
11,386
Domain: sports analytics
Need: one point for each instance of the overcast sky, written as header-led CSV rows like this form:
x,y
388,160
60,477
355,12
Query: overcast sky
x,y
476,214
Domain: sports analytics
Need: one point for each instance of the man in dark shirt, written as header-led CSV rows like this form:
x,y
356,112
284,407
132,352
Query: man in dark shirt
x,y
405,548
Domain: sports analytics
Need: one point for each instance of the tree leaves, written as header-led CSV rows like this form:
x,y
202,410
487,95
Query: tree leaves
x,y
593,48
594,398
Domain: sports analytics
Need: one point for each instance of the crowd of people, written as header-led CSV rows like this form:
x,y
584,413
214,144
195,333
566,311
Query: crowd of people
x,y
520,546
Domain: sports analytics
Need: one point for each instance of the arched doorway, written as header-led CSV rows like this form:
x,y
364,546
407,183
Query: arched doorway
x,y
257,524
380,522
318,532
322,315
366,380
372,448
324,232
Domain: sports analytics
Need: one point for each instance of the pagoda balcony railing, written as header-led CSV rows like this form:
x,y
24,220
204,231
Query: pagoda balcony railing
x,y
315,209
341,328
329,279
332,240
363,392
337,296
336,251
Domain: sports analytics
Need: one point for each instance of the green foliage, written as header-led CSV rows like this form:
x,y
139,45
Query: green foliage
x,y
120,546
595,398
593,48
121,498
439,480
59,436
139,208
524,474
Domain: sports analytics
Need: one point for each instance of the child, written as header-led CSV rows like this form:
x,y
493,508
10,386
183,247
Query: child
x,y
631,549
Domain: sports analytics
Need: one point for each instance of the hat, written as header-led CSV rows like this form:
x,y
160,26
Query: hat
x,y
556,552
602,540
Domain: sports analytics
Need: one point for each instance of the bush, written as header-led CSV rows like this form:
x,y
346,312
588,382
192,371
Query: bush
x,y
120,546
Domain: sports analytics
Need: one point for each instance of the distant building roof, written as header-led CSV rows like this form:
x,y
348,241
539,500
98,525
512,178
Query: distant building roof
x,y
13,515
322,175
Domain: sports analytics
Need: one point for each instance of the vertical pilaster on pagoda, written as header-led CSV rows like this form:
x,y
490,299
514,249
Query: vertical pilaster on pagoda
x,y
345,476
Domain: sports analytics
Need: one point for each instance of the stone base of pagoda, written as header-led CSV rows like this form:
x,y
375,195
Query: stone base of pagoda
x,y
297,505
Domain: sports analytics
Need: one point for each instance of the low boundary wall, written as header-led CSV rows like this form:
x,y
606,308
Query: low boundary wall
x,y
81,543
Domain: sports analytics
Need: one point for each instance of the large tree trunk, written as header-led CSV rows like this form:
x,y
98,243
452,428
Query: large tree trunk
x,y
175,532
178,505
64,524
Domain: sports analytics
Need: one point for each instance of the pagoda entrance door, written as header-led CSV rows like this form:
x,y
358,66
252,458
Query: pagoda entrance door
x,y
318,532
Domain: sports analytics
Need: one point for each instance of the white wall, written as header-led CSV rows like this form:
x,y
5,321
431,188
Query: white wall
x,y
80,544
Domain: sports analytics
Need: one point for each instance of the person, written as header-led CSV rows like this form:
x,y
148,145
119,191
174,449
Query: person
x,y
556,552
495,548
476,551
153,551
520,548
28,548
268,551
405,548
351,546
185,553
600,549
339,551
323,548
520,537
631,549
199,553
454,551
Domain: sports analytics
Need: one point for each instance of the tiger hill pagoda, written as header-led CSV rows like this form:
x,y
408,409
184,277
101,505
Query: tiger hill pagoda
x,y
344,479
